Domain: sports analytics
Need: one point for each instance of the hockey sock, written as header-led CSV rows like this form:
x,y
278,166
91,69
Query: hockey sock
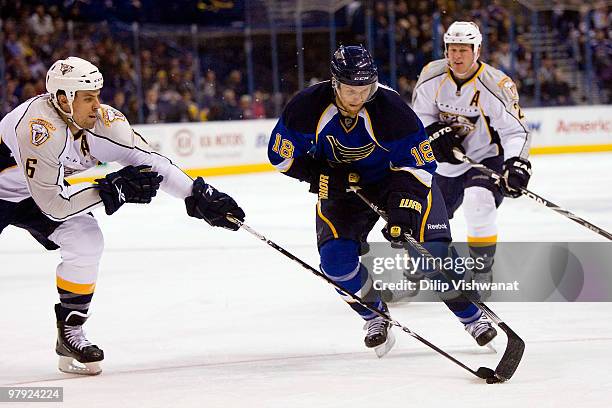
x,y
466,311
71,302
340,262
485,251
461,307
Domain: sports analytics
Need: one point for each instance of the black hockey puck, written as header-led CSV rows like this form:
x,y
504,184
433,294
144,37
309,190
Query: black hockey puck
x,y
485,373
493,380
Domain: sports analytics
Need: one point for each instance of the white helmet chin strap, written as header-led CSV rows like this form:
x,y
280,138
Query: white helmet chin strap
x,y
68,115
466,74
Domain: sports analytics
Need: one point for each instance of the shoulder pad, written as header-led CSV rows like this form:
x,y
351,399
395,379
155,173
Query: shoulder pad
x,y
108,115
114,126
391,117
432,70
303,111
500,84
42,126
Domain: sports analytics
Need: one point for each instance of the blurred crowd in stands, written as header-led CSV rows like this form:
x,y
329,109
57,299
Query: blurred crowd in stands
x,y
35,35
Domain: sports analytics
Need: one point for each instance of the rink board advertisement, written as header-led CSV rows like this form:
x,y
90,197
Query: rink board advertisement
x,y
212,145
570,129
231,147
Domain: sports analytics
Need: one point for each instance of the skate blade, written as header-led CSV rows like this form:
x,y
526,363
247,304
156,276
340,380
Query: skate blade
x,y
384,348
69,365
491,346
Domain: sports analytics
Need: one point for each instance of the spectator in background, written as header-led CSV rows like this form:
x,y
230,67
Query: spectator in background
x,y
35,35
259,105
246,107
556,91
40,22
601,16
501,58
28,91
150,107
12,99
191,107
172,109
209,87
35,66
229,106
547,69
235,83
120,102
404,88
14,45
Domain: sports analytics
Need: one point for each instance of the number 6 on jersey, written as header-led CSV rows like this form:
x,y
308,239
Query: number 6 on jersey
x,y
30,169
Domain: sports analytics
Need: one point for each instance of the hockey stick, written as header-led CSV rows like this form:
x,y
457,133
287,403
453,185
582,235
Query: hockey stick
x,y
482,372
496,176
516,346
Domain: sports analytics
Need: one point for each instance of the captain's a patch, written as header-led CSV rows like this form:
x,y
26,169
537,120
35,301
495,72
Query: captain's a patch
x,y
41,131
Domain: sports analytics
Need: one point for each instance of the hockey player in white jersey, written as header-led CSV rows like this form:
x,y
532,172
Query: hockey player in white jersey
x,y
64,132
469,105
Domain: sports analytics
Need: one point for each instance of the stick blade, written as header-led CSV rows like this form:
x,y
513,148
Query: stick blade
x,y
512,355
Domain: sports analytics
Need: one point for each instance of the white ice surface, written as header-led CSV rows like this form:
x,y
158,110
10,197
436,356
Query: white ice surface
x,y
190,316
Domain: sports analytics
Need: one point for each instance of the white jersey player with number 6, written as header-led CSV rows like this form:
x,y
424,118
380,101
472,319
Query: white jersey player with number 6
x,y
64,132
468,105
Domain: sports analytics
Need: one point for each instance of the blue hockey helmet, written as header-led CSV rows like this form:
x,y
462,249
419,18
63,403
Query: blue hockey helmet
x,y
353,65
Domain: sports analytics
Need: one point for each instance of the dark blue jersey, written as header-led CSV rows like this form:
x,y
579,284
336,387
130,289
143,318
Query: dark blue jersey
x,y
386,142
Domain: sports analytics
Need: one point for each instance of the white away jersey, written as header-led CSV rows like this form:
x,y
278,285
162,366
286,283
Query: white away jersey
x,y
37,150
484,109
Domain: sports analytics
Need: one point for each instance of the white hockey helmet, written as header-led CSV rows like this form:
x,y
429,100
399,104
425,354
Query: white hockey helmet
x,y
71,75
463,32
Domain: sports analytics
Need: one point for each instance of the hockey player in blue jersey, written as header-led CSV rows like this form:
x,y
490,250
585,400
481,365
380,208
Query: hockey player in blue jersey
x,y
353,131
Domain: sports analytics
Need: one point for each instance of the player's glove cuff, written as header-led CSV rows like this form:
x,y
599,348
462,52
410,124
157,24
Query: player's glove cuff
x,y
333,182
443,139
404,215
516,175
129,185
213,206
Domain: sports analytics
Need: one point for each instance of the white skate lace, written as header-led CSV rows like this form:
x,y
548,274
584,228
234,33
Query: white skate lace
x,y
375,326
478,327
76,337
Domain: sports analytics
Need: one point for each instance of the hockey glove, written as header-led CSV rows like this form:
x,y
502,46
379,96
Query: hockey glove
x,y
443,140
404,215
333,182
516,174
213,206
128,185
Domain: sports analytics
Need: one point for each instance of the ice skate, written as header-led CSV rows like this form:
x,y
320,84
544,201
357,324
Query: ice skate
x,y
481,330
77,355
379,336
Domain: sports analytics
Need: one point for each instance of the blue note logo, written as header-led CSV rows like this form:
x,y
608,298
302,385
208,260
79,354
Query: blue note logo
x,y
345,154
